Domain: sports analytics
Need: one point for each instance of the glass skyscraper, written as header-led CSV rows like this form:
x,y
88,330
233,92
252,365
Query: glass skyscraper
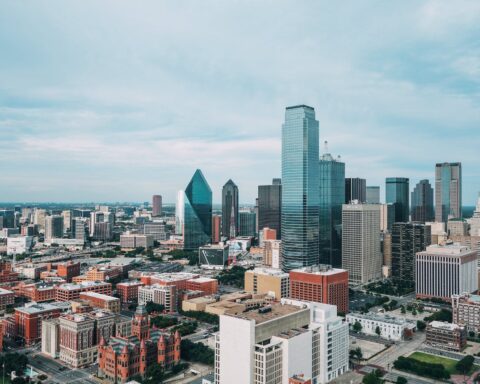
x,y
355,189
332,196
248,221
269,206
230,210
448,191
300,188
197,225
422,202
398,193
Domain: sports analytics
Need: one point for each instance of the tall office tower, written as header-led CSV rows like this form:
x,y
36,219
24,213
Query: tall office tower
x,y
280,341
361,255
475,220
248,221
448,191
95,217
270,206
387,217
446,270
180,213
197,227
8,216
355,189
373,194
53,227
156,205
407,240
397,193
216,228
39,218
332,196
300,188
77,346
422,202
78,229
67,220
230,210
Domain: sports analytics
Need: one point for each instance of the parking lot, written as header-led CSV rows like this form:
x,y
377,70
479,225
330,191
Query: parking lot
x,y
369,348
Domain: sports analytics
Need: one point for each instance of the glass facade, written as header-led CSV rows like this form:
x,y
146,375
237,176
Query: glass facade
x,y
448,191
248,224
300,188
398,193
269,206
332,196
197,226
230,210
355,189
422,202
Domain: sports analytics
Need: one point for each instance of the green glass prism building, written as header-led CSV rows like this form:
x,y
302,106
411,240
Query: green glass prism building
x,y
300,188
197,225
398,193
332,196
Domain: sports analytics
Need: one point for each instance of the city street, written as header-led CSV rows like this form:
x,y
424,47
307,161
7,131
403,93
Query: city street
x,y
403,348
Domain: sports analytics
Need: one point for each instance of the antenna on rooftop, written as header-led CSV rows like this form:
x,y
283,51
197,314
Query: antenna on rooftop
x,y
325,146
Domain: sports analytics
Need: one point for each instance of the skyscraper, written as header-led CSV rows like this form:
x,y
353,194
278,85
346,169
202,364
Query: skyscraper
x,y
300,188
179,213
407,240
197,227
156,205
216,228
397,191
448,191
332,196
355,189
248,222
361,255
53,227
373,194
269,206
230,210
422,202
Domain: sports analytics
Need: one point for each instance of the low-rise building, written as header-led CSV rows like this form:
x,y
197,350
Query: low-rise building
x,y
271,253
68,292
6,298
133,240
385,326
447,336
213,256
17,245
101,301
466,311
165,295
273,282
207,285
128,290
38,292
28,320
68,270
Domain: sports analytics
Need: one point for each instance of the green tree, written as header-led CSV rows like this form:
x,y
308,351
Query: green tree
x,y
401,380
421,325
378,331
197,352
357,327
371,378
154,374
464,365
402,309
414,312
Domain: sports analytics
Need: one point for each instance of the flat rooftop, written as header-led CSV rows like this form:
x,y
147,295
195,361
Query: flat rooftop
x,y
443,325
37,308
130,283
5,291
268,272
449,249
322,269
263,315
203,280
100,296
83,284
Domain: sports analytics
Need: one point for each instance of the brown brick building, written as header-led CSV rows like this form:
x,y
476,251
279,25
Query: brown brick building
x,y
38,292
6,298
67,292
68,270
28,321
450,337
99,300
128,290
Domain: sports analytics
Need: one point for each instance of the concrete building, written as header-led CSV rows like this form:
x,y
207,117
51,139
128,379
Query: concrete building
x,y
475,220
448,191
457,227
445,270
51,337
101,301
373,194
132,241
216,229
321,284
390,327
77,347
17,245
53,227
447,336
270,206
361,255
7,298
273,282
165,295
68,292
156,205
274,343
466,311
387,217
271,253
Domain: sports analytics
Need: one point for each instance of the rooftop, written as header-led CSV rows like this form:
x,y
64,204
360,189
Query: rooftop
x,y
203,280
322,269
130,283
447,249
381,318
100,296
83,284
270,312
5,291
268,272
37,308
444,325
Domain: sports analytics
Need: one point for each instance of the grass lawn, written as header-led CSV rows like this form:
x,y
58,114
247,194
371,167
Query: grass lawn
x,y
449,364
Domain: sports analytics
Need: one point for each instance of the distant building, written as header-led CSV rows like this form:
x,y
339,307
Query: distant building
x,y
248,224
269,206
387,217
398,193
422,202
156,230
133,240
101,301
355,189
156,205
475,220
17,245
466,311
77,347
51,337
446,270
271,253
447,336
230,218
68,270
7,298
391,328
373,194
53,227
448,191
213,256
128,290
273,282
216,228
457,227
68,292
79,229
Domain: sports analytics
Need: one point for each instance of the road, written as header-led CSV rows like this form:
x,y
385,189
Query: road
x,y
403,348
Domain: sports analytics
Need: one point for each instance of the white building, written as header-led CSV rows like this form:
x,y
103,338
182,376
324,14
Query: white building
x,y
391,328
51,337
475,220
133,240
165,295
273,343
466,311
445,270
361,255
17,245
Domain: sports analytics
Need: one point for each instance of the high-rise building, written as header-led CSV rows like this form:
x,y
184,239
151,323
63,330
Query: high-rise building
x,y
270,281
448,191
466,311
248,221
77,346
270,206
397,192
446,270
475,220
156,205
300,188
271,253
373,194
197,212
7,217
67,220
332,196
387,217
355,189
216,228
407,240
361,255
53,227
422,202
277,342
39,218
230,220
180,213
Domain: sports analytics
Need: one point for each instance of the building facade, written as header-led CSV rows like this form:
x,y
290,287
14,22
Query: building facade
x,y
422,202
355,190
391,328
157,205
397,192
466,311
270,206
373,194
447,336
247,224
448,191
230,219
270,281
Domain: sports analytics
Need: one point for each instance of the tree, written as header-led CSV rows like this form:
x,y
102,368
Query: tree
x,y
464,365
414,312
154,374
403,309
357,327
196,352
378,331
371,378
401,380
421,325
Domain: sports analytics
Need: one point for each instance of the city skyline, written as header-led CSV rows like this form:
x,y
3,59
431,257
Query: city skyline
x,y
84,106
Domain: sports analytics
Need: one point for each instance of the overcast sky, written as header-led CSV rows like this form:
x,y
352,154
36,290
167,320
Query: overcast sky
x,y
116,100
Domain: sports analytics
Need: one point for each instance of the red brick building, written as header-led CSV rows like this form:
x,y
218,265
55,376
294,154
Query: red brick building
x,y
122,358
299,379
6,298
67,292
6,273
99,300
38,292
322,284
204,284
68,270
28,321
128,290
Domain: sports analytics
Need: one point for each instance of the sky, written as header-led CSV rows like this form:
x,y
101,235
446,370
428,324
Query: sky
x,y
119,100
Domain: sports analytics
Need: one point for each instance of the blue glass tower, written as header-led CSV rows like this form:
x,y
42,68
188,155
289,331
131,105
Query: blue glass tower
x,y
422,202
398,193
448,191
197,227
332,196
300,188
